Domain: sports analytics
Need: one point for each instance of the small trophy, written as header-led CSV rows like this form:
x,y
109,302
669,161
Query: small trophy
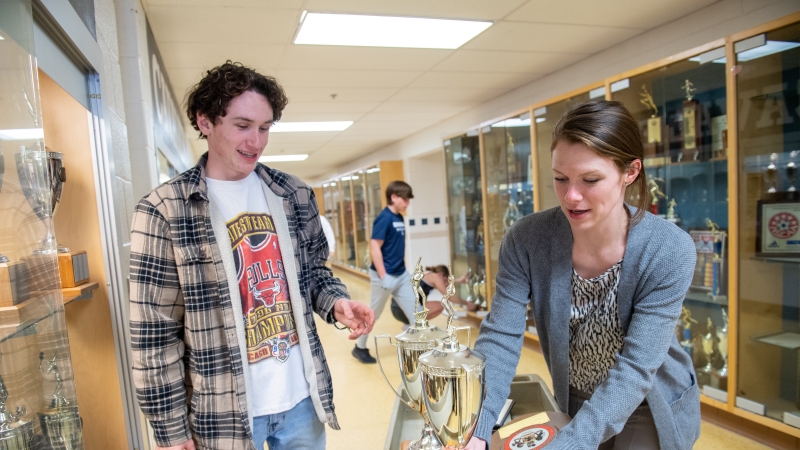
x,y
453,386
655,194
772,174
412,343
61,424
42,176
15,434
719,255
653,141
671,216
722,346
708,340
691,124
686,337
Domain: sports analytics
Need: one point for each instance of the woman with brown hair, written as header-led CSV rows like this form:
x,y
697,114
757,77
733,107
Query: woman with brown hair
x,y
606,282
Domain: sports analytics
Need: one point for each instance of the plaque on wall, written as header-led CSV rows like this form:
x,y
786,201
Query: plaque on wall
x,y
778,229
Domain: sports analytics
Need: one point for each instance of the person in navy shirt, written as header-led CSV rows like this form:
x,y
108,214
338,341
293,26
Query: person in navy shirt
x,y
387,248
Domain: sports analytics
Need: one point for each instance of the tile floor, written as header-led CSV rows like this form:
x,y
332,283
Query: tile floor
x,y
364,402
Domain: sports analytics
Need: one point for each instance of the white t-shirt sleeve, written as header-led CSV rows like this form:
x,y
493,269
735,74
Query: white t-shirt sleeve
x,y
326,228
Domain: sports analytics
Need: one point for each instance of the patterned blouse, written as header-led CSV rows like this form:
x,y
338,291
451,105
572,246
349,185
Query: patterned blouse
x,y
595,332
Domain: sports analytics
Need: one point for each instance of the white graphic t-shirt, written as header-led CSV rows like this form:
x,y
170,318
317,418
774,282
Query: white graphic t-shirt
x,y
276,366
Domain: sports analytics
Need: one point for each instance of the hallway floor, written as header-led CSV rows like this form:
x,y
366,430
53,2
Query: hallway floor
x,y
364,402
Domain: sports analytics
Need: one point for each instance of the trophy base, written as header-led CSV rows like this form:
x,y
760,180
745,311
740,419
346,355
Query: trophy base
x,y
73,268
62,428
19,436
428,441
14,288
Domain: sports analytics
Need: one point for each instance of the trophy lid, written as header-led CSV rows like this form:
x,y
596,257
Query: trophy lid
x,y
423,337
450,358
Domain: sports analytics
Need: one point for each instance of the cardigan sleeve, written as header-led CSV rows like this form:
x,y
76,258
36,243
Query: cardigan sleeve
x,y
502,332
661,289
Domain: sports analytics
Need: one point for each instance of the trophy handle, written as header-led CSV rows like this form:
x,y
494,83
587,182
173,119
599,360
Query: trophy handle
x,y
378,357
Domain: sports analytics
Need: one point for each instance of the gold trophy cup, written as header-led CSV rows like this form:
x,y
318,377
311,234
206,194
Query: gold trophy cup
x,y
412,343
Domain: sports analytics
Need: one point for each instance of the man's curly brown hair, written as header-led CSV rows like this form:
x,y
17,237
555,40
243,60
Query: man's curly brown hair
x,y
212,95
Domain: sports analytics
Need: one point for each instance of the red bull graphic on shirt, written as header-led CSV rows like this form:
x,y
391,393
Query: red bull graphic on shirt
x,y
268,319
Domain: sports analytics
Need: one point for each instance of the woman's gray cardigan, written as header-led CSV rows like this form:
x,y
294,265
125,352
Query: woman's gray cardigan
x,y
535,266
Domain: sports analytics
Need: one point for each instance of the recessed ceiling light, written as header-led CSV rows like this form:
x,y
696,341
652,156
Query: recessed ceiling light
x,y
515,122
385,31
282,158
297,127
22,134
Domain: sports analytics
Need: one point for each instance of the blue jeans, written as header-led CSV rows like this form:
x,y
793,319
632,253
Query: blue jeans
x,y
298,428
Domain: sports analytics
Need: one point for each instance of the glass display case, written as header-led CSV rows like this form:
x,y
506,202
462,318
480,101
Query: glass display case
x,y
331,201
682,114
509,182
546,118
466,227
38,400
360,222
374,202
768,65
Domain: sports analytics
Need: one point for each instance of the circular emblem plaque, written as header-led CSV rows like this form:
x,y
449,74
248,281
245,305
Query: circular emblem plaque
x,y
534,436
783,225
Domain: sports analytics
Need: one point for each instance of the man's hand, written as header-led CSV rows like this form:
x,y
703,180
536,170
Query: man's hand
x,y
387,282
476,443
188,445
357,317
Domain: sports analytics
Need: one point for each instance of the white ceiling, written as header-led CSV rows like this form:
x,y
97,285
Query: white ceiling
x,y
389,93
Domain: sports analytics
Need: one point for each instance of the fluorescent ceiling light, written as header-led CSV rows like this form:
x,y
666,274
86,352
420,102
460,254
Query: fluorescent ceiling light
x,y
22,134
345,178
515,122
718,61
297,127
540,119
769,48
282,158
373,170
385,31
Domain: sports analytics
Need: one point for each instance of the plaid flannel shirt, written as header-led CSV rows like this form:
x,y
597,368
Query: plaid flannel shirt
x,y
187,366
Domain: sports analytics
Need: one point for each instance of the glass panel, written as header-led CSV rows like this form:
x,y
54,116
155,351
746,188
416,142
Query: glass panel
x,y
349,244
338,216
466,216
360,208
374,196
331,213
681,111
509,181
545,122
769,248
35,362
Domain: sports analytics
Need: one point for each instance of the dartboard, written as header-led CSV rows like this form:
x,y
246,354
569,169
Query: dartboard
x,y
783,225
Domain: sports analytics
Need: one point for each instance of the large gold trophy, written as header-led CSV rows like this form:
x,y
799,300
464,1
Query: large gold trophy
x,y
416,340
453,385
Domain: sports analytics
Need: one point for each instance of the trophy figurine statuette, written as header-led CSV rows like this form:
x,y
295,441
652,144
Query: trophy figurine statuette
x,y
671,216
718,259
61,424
686,337
655,194
708,346
691,123
42,177
413,342
653,140
15,434
453,387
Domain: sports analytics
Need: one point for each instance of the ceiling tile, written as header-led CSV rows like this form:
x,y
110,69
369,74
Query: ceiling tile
x,y
428,94
331,106
441,106
360,58
471,80
543,37
277,4
614,13
401,117
193,55
343,94
520,62
452,9
249,26
346,78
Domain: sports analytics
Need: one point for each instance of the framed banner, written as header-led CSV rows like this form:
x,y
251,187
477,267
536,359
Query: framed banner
x,y
778,229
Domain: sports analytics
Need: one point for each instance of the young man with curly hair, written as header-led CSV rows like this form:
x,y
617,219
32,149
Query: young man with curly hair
x,y
227,265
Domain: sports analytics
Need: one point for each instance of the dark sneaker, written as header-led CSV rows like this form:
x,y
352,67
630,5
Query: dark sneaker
x,y
362,354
